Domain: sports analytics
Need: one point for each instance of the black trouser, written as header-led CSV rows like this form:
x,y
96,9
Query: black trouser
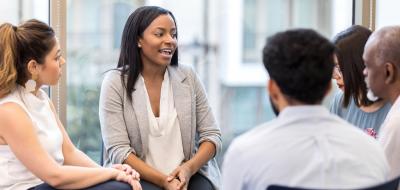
x,y
109,185
196,182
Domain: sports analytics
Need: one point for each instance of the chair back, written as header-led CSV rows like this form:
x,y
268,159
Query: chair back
x,y
390,185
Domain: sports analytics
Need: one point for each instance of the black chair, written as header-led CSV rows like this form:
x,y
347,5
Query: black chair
x,y
390,185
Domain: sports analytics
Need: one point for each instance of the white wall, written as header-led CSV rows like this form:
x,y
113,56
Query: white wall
x,y
387,13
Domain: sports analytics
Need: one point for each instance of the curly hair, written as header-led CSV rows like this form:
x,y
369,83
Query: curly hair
x,y
301,63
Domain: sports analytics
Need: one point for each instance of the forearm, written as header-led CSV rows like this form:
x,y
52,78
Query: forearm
x,y
75,177
146,172
77,158
204,154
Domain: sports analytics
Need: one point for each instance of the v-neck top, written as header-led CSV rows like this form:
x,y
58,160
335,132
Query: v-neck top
x,y
165,140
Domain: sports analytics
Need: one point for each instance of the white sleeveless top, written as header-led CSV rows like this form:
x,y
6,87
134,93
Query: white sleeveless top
x,y
13,174
165,140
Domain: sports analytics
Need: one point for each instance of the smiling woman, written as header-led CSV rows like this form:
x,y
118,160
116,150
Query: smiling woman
x,y
152,108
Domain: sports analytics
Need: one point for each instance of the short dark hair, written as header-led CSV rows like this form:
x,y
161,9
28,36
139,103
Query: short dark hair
x,y
130,62
301,63
349,50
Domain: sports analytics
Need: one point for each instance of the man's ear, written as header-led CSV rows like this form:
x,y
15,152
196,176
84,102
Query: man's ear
x,y
273,89
33,67
391,73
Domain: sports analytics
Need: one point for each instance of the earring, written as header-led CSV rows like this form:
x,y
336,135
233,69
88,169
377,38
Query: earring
x,y
139,46
30,85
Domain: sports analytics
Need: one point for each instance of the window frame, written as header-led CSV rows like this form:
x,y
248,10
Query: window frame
x,y
58,21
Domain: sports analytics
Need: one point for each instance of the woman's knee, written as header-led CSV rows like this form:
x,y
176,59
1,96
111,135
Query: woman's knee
x,y
111,185
149,186
199,182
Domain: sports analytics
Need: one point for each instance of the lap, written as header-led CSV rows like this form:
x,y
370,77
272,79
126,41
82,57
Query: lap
x,y
197,182
108,185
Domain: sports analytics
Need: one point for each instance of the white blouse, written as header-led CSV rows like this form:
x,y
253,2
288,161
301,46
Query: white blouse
x,y
165,151
13,174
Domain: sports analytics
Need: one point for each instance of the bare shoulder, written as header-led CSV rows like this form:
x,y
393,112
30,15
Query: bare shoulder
x,y
12,116
11,110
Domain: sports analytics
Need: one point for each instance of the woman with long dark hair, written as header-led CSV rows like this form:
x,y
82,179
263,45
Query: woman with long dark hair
x,y
351,102
154,112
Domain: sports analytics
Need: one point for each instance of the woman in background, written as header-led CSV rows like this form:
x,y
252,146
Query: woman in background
x,y
35,150
154,113
351,102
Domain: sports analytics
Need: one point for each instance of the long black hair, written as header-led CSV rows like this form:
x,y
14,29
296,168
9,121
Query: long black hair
x,y
130,63
349,50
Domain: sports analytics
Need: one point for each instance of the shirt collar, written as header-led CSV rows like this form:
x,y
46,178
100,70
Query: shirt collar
x,y
303,111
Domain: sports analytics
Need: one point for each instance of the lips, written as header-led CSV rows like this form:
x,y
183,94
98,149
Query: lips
x,y
166,52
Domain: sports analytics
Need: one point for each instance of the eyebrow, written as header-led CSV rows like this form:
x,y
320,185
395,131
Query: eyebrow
x,y
58,52
163,29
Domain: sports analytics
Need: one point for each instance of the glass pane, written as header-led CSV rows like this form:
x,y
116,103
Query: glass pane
x,y
387,13
263,18
94,29
16,11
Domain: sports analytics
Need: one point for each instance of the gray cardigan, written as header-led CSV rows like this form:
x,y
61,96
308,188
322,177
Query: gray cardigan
x,y
125,126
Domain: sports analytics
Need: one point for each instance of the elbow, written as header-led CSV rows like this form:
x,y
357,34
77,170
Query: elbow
x,y
55,183
55,180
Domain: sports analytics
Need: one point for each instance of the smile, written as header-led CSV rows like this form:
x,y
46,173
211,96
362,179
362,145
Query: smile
x,y
166,51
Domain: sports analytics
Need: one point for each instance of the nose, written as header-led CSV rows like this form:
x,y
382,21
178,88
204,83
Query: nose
x,y
62,61
365,72
170,39
336,75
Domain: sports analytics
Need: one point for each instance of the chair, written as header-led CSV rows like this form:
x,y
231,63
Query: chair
x,y
390,185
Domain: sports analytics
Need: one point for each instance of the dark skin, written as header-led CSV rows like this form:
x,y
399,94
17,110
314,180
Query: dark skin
x,y
157,45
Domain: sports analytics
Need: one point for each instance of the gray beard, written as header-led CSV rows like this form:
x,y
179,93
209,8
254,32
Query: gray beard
x,y
371,96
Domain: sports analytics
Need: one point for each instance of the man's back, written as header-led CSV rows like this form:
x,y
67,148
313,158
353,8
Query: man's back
x,y
305,146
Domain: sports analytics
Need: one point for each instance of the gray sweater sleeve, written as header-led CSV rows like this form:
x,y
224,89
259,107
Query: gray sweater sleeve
x,y
112,122
206,124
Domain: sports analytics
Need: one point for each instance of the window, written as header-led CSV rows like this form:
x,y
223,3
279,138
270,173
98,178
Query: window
x,y
387,13
16,11
93,39
244,100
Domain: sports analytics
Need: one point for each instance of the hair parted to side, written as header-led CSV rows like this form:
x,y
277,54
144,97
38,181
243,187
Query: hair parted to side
x,y
301,63
32,40
130,63
349,50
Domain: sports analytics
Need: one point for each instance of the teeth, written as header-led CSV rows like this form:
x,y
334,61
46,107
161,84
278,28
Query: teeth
x,y
169,52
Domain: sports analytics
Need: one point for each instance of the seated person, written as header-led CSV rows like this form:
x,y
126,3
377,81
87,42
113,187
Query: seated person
x,y
351,102
154,112
305,146
382,75
35,150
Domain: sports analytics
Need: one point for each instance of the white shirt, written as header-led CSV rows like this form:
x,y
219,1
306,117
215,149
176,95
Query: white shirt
x,y
305,146
165,151
13,174
390,138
